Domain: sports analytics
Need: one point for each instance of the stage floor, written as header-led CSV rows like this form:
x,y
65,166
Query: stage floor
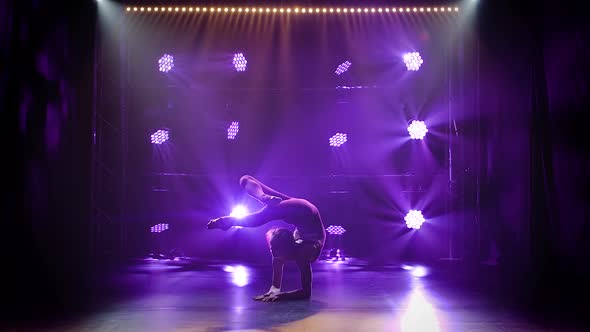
x,y
188,295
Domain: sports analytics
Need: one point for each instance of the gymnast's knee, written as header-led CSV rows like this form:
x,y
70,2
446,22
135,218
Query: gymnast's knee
x,y
244,179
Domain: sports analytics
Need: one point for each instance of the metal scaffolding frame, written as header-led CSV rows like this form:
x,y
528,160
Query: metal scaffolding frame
x,y
108,230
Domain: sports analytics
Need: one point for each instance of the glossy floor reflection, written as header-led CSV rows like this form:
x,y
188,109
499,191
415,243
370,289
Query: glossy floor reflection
x,y
155,295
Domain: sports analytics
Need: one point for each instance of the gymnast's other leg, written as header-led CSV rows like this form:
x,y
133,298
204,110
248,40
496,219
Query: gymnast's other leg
x,y
260,191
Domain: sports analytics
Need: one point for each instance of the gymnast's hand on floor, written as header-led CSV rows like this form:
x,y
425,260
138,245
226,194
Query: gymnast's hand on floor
x,y
223,223
267,294
272,297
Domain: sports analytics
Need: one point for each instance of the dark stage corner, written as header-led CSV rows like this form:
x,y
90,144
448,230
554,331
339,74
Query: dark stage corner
x,y
438,149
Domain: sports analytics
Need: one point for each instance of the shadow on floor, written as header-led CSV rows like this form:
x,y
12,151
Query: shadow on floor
x,y
272,315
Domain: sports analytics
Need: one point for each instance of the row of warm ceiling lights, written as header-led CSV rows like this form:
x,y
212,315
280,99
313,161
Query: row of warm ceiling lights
x,y
293,10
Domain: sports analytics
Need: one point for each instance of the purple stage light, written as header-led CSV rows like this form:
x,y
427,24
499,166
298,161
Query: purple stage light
x,y
166,63
414,219
233,129
159,228
413,61
335,230
338,139
239,212
160,136
342,67
417,129
240,62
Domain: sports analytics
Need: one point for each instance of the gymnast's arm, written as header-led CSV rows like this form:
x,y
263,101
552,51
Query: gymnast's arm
x,y
305,291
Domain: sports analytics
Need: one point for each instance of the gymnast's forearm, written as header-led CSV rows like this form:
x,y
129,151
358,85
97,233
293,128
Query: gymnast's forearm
x,y
299,294
277,273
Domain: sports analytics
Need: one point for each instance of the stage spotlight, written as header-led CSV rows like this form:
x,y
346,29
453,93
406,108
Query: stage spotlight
x,y
417,129
335,254
166,63
414,219
160,136
338,139
335,230
240,62
342,67
239,212
159,228
233,130
413,61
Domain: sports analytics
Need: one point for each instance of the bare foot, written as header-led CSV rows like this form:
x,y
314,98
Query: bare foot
x,y
219,223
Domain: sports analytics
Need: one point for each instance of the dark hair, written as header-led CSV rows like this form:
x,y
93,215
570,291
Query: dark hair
x,y
280,239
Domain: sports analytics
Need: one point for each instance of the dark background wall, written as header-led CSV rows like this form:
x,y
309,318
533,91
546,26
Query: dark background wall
x,y
533,86
46,95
